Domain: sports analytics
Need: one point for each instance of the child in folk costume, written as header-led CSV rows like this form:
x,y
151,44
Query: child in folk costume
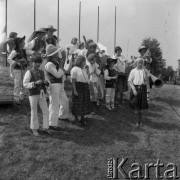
x,y
122,76
18,64
57,95
34,81
81,93
138,82
110,75
94,75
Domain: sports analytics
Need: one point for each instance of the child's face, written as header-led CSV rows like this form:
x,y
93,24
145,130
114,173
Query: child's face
x,y
36,65
139,64
118,52
112,65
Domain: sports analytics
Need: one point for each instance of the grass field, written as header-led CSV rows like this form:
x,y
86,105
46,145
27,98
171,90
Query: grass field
x,y
76,153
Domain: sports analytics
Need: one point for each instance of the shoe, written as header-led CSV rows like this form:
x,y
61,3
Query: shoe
x,y
35,133
18,102
47,131
113,108
55,128
109,108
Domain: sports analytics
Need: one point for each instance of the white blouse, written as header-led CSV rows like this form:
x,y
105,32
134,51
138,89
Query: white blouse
x,y
79,74
137,76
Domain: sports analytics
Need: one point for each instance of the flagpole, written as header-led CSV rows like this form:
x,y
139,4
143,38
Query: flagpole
x,y
34,15
79,38
98,26
6,30
115,29
58,21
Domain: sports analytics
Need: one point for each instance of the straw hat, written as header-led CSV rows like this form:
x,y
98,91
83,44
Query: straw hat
x,y
40,30
50,27
51,50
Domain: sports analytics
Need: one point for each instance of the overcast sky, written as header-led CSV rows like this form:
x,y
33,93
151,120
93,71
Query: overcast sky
x,y
136,19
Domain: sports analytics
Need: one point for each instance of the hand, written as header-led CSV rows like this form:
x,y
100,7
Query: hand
x,y
38,82
75,93
135,92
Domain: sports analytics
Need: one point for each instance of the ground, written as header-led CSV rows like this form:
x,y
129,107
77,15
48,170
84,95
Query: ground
x,y
82,154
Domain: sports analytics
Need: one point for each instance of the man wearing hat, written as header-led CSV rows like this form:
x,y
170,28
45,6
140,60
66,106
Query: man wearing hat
x,y
146,56
50,38
36,44
121,66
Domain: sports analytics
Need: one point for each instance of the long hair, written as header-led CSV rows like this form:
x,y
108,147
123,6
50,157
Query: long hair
x,y
80,59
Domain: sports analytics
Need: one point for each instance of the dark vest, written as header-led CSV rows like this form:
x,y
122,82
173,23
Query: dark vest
x,y
53,79
111,83
51,40
35,76
39,45
20,54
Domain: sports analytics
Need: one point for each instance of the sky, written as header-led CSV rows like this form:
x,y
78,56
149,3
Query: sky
x,y
136,20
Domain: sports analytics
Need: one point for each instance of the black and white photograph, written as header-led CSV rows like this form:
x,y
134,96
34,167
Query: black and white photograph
x,y
89,89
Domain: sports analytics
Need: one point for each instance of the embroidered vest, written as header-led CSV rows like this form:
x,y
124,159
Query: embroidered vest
x,y
20,54
110,83
53,79
35,76
39,45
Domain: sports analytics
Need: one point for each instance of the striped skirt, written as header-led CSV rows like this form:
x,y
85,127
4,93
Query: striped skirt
x,y
81,104
139,102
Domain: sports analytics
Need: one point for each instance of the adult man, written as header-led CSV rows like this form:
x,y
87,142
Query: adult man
x,y
50,38
122,77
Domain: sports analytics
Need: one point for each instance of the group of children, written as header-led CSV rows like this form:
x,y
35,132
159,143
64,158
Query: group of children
x,y
95,77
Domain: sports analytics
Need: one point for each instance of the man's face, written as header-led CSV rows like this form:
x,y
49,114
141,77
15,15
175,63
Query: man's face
x,y
50,32
41,35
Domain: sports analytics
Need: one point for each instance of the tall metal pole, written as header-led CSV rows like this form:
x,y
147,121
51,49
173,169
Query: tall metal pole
x,y
98,26
79,37
6,29
115,29
34,15
58,21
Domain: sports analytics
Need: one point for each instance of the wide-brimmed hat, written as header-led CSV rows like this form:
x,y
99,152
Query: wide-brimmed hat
x,y
141,48
40,30
111,60
50,27
51,50
18,40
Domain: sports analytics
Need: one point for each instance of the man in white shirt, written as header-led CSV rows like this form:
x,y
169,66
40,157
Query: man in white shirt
x,y
121,66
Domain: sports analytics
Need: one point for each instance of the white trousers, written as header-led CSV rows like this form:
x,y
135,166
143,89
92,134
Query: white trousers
x,y
110,96
18,84
64,105
34,100
57,96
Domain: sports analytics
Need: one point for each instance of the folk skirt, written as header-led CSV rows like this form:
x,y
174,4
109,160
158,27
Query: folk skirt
x,y
81,104
139,102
